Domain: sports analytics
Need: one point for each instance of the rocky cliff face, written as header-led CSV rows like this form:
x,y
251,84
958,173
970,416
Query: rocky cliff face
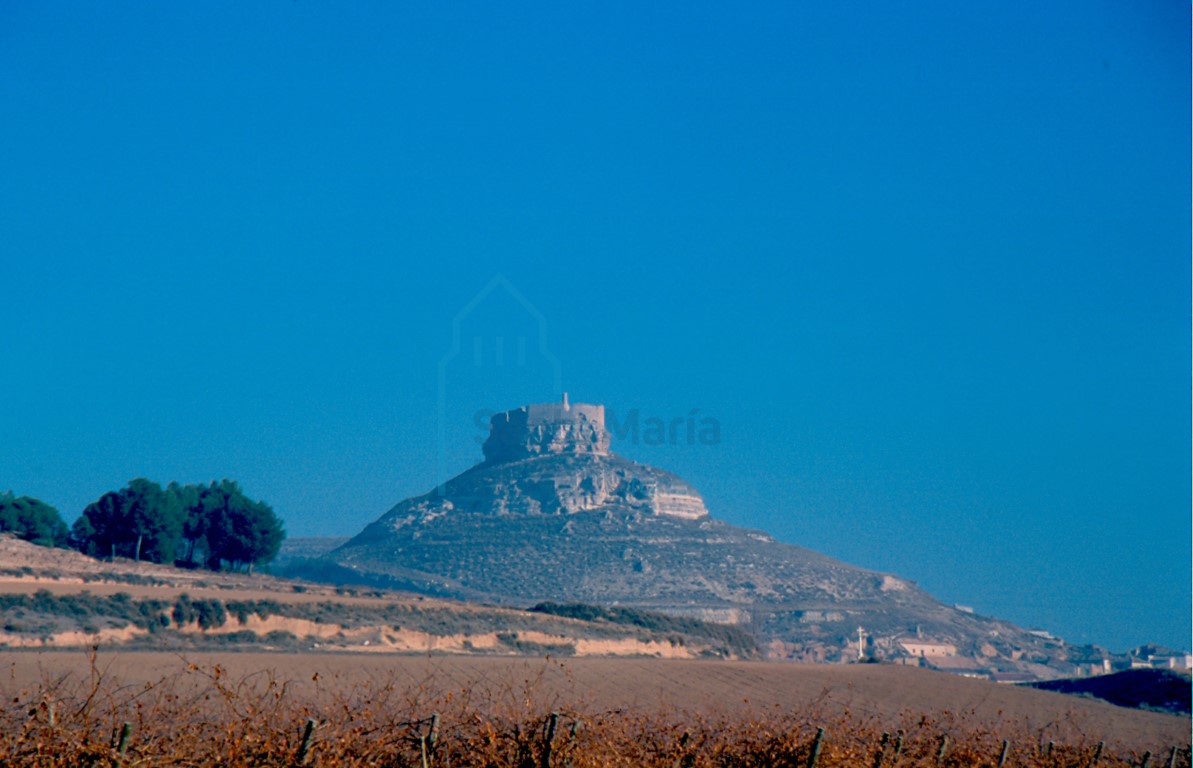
x,y
552,515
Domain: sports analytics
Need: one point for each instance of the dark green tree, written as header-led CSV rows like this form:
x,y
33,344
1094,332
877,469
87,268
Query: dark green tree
x,y
140,521
189,499
97,532
260,534
238,530
32,520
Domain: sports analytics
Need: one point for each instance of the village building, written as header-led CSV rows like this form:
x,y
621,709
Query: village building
x,y
928,650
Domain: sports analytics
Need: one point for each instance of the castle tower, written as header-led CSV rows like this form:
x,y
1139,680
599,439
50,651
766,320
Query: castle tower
x,y
547,428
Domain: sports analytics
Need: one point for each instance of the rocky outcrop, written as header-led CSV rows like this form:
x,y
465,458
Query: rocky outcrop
x,y
548,486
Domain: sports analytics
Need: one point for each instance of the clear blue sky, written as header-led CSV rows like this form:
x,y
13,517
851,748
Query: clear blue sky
x,y
927,265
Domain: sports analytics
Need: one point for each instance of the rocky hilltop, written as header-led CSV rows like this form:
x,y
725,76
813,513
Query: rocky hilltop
x,y
552,514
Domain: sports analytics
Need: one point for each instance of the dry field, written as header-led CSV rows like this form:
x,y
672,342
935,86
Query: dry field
x,y
63,708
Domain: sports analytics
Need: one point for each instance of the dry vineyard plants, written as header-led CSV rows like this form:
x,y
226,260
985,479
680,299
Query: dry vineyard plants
x,y
201,715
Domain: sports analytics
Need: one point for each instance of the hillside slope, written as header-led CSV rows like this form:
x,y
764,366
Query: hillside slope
x,y
549,523
54,598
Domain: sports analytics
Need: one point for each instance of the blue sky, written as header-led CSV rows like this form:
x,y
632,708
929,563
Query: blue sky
x,y
927,267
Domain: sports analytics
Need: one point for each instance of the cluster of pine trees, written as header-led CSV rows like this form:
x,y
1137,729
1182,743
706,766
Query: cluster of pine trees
x,y
215,526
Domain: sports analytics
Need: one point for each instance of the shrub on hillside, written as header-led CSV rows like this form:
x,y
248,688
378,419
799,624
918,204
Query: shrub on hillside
x,y
32,520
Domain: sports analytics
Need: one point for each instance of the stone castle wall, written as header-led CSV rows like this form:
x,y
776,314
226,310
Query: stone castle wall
x,y
564,413
550,428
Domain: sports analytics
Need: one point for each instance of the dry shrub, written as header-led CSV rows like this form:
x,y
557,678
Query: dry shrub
x,y
200,716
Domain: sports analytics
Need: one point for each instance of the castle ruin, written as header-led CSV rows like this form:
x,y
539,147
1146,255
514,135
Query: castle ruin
x,y
547,428
578,429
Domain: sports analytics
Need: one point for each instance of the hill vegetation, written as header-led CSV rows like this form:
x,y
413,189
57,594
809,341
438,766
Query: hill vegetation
x,y
1157,689
218,523
32,520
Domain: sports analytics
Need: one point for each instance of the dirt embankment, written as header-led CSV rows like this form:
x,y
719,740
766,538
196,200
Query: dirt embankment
x,y
28,570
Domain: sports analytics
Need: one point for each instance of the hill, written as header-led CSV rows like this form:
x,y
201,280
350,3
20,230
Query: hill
x,y
553,515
